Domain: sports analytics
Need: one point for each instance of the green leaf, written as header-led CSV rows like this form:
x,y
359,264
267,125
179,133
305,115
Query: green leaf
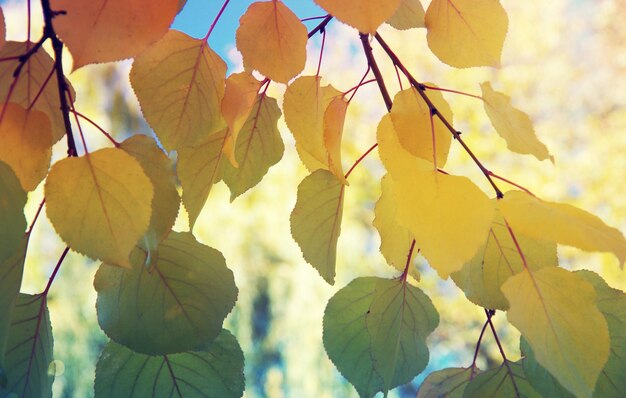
x,y
375,331
449,383
11,271
346,338
199,168
539,377
316,220
556,312
259,146
178,304
214,373
497,260
506,381
29,366
12,220
399,320
160,171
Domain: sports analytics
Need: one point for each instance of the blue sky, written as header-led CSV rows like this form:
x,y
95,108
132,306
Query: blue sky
x,y
198,15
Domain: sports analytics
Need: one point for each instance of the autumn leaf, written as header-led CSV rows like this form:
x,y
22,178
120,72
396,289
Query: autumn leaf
x,y
497,260
199,168
334,118
555,310
179,304
417,131
25,144
100,203
365,16
272,40
316,221
179,82
110,30
259,147
466,33
507,380
448,215
410,14
12,202
561,223
395,240
35,82
449,383
3,29
512,124
214,372
239,97
305,104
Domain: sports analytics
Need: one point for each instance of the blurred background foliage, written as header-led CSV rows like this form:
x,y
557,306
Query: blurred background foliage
x,y
564,63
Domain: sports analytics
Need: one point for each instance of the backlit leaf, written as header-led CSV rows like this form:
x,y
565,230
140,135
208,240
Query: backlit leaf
x,y
29,367
239,97
346,338
399,320
178,304
216,372
316,221
410,14
11,271
541,380
365,16
412,123
25,144
36,73
159,169
497,260
508,380
395,240
466,33
98,31
100,203
12,220
272,40
179,82
512,124
304,105
259,147
561,223
199,168
556,312
334,118
448,383
448,215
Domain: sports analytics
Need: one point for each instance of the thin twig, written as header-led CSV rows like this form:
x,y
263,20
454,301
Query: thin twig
x,y
321,26
371,61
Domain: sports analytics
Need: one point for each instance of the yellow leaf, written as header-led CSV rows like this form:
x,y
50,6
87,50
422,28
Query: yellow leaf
x,y
556,312
199,168
497,260
395,240
25,144
259,146
159,169
334,118
239,97
466,33
272,40
33,84
412,122
561,223
365,16
448,215
98,31
512,124
99,204
410,14
12,202
304,105
179,82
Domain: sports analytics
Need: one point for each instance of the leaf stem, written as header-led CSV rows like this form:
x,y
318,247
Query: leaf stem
x,y
480,339
409,256
371,62
55,271
447,90
76,113
361,82
32,223
421,89
319,63
219,15
321,26
494,175
490,314
359,160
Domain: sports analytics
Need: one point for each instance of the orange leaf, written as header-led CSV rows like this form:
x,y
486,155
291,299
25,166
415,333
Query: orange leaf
x,y
334,118
365,16
272,40
110,30
3,29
